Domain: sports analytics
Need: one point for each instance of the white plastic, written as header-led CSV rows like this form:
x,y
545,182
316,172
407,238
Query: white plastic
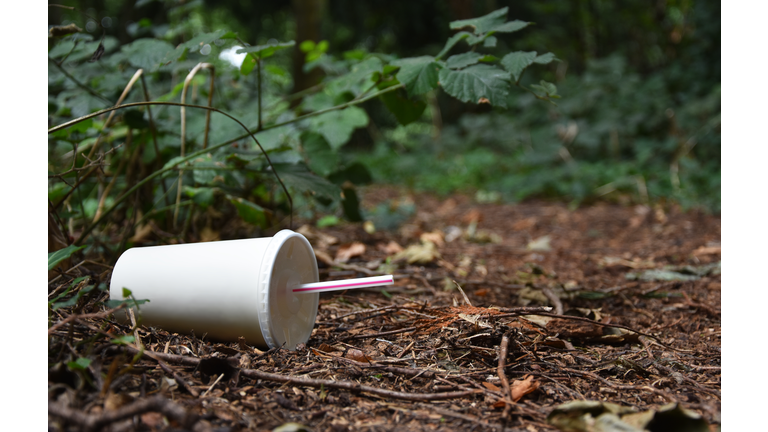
x,y
226,289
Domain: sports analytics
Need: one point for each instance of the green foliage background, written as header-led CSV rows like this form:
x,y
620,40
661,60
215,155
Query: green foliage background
x,y
598,99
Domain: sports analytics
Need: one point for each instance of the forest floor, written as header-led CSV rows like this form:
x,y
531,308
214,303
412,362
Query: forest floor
x,y
505,313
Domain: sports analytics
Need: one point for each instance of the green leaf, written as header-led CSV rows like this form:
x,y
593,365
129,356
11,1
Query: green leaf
x,y
250,212
490,42
547,88
81,363
405,110
321,159
453,40
54,258
418,74
545,58
126,292
128,302
268,50
123,340
198,41
482,24
328,221
148,54
249,63
202,196
459,61
510,26
297,176
477,83
516,62
337,126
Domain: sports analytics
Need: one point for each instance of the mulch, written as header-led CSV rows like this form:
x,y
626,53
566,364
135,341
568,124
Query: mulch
x,y
530,306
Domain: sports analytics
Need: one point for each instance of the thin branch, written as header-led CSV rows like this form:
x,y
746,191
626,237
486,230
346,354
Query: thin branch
x,y
92,422
78,83
188,80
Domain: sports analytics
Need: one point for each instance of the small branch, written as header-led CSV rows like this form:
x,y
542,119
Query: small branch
x,y
354,387
90,422
91,91
71,318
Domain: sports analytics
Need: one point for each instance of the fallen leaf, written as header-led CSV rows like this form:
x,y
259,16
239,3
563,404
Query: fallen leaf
x,y
390,248
435,237
348,251
357,355
525,224
317,238
491,387
423,253
520,388
540,244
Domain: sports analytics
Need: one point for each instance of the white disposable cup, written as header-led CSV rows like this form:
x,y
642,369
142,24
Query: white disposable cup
x,y
227,289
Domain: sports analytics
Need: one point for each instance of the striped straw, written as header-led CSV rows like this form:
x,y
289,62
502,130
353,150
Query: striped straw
x,y
345,284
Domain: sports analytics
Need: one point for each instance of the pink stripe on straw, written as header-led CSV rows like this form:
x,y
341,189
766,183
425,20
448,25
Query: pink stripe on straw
x,y
358,284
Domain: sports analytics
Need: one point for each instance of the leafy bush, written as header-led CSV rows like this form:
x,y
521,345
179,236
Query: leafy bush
x,y
613,134
161,165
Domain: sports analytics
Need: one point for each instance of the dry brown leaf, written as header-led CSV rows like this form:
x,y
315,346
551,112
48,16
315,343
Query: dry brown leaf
x,y
390,248
318,239
525,224
435,237
357,355
491,387
348,251
419,253
520,388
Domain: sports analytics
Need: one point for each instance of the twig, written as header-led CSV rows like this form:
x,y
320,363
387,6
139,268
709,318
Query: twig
x,y
318,383
466,299
554,299
89,422
74,317
386,333
354,387
503,377
78,83
212,385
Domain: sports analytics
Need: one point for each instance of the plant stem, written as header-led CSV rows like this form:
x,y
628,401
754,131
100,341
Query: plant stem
x,y
78,83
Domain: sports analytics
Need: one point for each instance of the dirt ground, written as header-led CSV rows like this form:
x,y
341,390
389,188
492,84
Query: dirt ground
x,y
504,313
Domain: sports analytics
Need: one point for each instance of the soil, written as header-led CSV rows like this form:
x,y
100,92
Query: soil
x,y
524,307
